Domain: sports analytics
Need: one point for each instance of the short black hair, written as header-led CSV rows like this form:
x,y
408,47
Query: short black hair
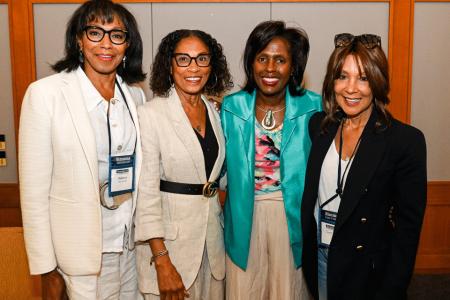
x,y
105,11
261,36
161,80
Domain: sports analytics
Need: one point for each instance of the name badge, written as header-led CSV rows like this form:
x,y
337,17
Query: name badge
x,y
327,223
121,175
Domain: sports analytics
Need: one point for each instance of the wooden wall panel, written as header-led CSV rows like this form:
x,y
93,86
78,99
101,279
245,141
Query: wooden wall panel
x,y
15,279
434,247
9,195
10,206
400,57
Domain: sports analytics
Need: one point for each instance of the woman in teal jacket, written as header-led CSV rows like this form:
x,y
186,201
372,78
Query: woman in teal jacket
x,y
267,147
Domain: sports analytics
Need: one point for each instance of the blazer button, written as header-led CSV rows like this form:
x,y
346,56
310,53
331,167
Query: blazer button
x,y
359,247
363,220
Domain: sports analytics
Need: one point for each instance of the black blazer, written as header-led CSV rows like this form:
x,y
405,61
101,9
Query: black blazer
x,y
373,249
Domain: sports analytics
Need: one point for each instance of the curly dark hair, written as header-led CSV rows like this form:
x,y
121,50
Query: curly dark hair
x,y
374,64
161,80
104,11
261,36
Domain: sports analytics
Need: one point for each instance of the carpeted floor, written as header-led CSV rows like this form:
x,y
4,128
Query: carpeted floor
x,y
430,287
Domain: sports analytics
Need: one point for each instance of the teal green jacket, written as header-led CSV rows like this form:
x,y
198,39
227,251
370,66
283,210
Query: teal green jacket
x,y
238,122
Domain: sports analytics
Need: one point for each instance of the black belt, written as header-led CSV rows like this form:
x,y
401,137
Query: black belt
x,y
208,189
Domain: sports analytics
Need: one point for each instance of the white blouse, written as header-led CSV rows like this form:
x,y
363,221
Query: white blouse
x,y
328,180
123,139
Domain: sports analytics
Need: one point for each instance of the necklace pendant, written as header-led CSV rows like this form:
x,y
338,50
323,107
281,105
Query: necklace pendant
x,y
268,122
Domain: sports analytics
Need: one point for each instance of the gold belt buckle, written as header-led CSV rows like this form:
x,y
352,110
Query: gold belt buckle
x,y
210,189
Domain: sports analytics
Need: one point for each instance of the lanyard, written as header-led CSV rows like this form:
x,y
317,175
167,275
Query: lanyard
x,y
107,120
340,181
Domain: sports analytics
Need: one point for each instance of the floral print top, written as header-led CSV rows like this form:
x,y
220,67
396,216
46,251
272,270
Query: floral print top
x,y
267,159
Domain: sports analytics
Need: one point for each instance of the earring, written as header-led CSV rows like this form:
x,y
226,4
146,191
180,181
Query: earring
x,y
124,60
215,81
81,57
170,80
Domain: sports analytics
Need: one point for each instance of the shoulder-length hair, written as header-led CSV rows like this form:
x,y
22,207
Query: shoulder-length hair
x,y
373,63
261,36
161,79
104,11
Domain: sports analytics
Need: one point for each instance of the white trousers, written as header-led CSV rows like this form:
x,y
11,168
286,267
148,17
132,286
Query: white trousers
x,y
271,272
205,286
117,280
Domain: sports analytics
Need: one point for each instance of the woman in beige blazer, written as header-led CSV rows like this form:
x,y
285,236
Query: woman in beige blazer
x,y
178,218
63,158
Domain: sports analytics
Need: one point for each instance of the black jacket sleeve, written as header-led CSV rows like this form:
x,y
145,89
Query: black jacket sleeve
x,y
411,190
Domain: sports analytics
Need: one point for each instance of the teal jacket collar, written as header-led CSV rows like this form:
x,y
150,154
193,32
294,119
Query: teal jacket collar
x,y
244,108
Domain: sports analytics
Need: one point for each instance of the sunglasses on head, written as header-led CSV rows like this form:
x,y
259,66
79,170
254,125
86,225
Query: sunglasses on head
x,y
369,41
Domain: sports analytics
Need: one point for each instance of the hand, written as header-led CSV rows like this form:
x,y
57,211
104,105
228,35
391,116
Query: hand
x,y
170,285
53,286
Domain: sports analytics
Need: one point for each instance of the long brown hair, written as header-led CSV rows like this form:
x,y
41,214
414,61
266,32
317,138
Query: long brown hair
x,y
374,64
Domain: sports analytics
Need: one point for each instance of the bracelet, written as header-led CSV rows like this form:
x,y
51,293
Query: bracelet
x,y
160,253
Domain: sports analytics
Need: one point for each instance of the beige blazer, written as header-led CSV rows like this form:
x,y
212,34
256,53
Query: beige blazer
x,y
172,152
58,173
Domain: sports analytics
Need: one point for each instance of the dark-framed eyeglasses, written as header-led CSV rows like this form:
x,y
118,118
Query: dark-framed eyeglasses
x,y
369,41
184,60
96,34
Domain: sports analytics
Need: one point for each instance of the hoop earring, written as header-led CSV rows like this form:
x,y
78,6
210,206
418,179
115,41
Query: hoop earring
x,y
124,61
215,81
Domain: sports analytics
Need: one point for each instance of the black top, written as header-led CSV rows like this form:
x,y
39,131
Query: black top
x,y
209,145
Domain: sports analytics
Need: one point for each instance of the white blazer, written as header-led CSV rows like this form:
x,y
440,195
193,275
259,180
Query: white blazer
x,y
58,173
171,151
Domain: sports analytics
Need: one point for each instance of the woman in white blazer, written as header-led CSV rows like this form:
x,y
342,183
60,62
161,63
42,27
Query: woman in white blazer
x,y
64,156
181,250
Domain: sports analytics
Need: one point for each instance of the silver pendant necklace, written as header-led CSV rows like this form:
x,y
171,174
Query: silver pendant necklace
x,y
269,122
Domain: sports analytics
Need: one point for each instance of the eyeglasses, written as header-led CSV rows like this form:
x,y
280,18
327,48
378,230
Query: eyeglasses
x,y
96,34
184,60
369,41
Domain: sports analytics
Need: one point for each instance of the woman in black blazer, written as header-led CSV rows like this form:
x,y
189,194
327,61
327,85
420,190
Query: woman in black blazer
x,y
365,189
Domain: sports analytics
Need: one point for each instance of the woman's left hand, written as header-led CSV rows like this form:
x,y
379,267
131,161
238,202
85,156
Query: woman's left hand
x,y
170,283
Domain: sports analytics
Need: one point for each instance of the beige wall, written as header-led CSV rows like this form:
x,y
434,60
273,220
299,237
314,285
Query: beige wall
x,y
8,174
229,23
430,103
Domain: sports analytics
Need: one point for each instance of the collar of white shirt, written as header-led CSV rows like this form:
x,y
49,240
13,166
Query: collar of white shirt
x,y
91,95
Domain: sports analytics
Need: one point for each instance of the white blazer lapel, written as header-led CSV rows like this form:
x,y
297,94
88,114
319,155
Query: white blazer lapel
x,y
81,122
186,134
217,128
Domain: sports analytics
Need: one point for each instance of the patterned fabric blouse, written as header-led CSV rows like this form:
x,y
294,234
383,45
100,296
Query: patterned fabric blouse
x,y
267,159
